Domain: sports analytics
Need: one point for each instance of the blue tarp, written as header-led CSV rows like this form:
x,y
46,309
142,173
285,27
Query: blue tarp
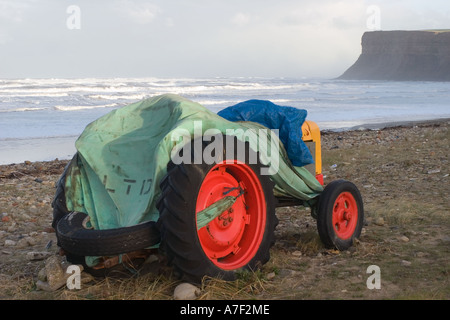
x,y
288,120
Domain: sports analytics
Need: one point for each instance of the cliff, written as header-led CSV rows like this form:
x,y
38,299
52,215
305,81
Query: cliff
x,y
402,56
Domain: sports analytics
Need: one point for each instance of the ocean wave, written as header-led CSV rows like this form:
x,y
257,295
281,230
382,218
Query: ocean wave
x,y
65,90
76,108
216,102
138,89
118,97
25,109
51,97
13,139
40,94
242,87
59,108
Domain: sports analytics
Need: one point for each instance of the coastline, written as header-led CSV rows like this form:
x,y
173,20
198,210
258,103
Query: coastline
x,y
37,149
63,148
55,165
403,124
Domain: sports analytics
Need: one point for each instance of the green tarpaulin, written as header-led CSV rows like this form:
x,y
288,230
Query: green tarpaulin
x,y
123,156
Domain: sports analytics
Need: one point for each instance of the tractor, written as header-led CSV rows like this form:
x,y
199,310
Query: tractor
x,y
123,195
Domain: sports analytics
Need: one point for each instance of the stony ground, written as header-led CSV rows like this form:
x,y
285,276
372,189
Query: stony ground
x,y
402,173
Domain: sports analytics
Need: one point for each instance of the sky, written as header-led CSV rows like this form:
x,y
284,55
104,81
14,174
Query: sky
x,y
198,38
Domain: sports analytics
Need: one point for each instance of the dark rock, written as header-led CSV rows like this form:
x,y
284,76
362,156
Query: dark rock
x,y
402,56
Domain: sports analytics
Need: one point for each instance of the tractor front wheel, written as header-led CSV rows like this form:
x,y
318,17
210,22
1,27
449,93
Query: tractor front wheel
x,y
340,215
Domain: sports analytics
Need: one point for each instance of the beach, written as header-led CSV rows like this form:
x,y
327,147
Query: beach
x,y
401,169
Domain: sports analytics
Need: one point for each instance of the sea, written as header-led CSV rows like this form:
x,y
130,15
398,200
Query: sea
x,y
40,119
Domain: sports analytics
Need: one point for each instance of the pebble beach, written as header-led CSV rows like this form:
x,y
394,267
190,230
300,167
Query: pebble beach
x,y
408,161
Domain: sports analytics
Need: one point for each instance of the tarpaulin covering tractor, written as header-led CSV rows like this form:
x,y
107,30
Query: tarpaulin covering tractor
x,y
167,174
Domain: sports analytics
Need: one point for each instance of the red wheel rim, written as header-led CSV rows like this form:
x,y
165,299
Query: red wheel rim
x,y
345,215
232,239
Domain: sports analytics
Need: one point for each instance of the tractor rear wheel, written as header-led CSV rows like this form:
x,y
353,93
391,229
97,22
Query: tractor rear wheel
x,y
238,238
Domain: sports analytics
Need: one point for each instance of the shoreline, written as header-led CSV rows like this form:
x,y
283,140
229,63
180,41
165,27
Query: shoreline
x,y
27,165
62,148
393,124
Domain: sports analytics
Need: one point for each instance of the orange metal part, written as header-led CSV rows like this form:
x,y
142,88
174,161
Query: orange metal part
x,y
231,240
311,133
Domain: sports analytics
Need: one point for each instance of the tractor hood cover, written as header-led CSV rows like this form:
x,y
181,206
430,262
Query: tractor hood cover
x,y
122,157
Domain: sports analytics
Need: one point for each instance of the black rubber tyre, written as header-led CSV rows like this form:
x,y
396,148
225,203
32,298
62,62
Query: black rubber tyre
x,y
76,240
340,215
59,200
180,240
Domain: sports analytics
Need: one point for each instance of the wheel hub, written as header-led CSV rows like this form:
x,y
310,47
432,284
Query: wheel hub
x,y
345,215
230,240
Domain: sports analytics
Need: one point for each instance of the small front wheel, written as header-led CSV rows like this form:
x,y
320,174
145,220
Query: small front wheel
x,y
340,214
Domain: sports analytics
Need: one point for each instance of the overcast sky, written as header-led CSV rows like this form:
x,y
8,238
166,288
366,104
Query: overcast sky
x,y
198,38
